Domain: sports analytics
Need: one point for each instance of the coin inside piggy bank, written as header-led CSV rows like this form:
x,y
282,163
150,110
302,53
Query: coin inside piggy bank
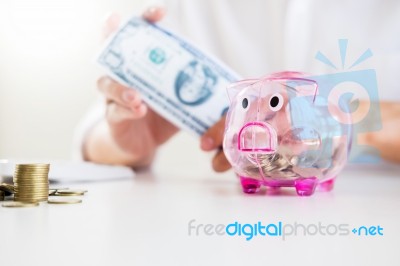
x,y
280,133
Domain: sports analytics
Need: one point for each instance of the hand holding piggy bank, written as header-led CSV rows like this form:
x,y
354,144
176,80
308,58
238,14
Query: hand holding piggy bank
x,y
280,133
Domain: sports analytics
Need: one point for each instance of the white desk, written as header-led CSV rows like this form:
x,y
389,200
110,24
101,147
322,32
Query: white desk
x,y
144,221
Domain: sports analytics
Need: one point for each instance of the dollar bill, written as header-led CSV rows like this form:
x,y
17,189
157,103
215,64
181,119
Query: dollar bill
x,y
175,78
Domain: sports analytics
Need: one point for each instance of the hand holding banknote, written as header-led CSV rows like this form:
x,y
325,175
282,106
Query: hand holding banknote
x,y
182,87
131,132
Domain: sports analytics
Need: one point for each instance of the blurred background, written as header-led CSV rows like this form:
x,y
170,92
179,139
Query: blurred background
x,y
48,71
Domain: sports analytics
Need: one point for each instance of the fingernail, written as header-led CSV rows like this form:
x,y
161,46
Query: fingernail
x,y
128,96
207,143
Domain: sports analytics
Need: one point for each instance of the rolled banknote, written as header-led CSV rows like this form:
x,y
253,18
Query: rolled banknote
x,y
175,78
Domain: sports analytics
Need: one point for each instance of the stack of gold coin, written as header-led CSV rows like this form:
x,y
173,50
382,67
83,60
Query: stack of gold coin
x,y
31,182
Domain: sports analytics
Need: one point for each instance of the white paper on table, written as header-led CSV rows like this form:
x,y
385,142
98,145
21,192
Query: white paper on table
x,y
73,171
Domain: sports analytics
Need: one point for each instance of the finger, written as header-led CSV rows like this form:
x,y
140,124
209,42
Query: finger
x,y
154,14
117,113
220,163
213,137
113,91
111,24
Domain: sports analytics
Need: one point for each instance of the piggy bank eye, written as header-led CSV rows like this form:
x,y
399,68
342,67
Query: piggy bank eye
x,y
245,103
276,102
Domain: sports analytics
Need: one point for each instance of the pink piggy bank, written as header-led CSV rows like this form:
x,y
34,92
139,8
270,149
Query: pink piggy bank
x,y
280,132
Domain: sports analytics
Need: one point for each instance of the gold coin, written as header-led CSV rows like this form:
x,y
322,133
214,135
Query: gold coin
x,y
32,165
63,192
28,182
64,201
25,172
34,198
31,168
26,195
19,171
30,195
32,171
31,177
43,170
30,200
54,190
17,168
31,180
33,185
17,204
37,169
32,192
68,194
32,188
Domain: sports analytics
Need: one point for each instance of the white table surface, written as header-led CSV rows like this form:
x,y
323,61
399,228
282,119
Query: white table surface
x,y
144,221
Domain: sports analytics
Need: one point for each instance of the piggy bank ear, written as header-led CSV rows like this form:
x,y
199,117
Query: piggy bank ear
x,y
234,88
304,87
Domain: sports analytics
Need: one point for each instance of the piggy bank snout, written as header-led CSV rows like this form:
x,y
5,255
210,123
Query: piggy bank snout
x,y
257,137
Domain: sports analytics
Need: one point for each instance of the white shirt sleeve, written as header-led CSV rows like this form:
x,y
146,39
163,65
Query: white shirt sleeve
x,y
91,118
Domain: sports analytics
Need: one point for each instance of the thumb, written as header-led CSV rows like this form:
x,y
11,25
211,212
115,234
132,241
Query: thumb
x,y
154,14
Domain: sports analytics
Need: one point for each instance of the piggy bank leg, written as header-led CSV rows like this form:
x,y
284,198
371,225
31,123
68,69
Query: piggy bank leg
x,y
306,186
327,185
250,185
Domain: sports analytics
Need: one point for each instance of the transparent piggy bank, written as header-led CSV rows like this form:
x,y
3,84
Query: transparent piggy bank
x,y
281,133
